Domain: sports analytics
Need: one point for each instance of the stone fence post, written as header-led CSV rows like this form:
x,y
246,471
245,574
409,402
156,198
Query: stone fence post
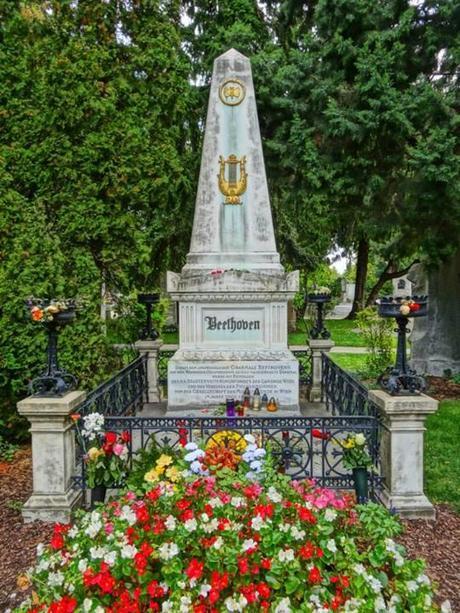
x,y
53,456
152,350
403,420
318,346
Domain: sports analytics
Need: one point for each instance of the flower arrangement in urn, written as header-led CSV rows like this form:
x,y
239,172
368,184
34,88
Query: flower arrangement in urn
x,y
43,310
105,453
356,457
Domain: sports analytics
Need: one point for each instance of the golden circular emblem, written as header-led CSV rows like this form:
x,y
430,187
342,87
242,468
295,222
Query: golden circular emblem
x,y
232,92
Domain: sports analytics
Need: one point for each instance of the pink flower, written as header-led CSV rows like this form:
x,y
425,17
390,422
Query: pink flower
x,y
108,528
119,449
130,495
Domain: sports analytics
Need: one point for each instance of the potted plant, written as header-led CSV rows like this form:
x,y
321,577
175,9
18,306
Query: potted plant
x,y
105,455
357,458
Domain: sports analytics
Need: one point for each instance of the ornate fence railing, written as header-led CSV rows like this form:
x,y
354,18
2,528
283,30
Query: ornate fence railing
x,y
342,393
305,447
123,394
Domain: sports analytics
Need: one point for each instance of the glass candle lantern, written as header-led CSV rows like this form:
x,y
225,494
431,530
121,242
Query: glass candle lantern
x,y
230,407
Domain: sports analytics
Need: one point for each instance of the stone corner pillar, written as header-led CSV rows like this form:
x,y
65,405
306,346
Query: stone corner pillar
x,y
318,346
53,457
403,421
151,349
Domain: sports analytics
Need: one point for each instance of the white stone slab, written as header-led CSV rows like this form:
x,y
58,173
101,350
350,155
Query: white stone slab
x,y
205,383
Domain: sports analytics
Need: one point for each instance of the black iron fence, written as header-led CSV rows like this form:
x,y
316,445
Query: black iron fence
x,y
342,393
304,447
123,394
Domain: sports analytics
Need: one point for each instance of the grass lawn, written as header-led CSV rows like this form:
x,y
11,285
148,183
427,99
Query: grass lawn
x,y
352,362
343,333
442,457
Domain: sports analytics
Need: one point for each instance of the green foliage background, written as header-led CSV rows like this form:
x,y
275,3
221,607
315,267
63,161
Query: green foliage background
x,y
102,108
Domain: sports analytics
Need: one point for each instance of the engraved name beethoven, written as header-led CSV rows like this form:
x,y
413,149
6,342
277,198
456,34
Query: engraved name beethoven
x,y
231,324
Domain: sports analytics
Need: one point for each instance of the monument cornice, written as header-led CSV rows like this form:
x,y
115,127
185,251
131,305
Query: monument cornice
x,y
234,354
216,297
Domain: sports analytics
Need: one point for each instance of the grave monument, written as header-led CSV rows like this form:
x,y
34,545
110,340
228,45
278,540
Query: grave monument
x,y
232,292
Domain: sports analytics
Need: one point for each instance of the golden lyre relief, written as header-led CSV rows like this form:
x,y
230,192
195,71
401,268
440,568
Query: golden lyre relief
x,y
229,184
232,92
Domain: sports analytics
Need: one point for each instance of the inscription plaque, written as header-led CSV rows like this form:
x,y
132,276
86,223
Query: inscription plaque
x,y
210,383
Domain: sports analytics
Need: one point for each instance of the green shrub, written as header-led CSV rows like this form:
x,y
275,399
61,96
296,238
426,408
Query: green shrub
x,y
377,336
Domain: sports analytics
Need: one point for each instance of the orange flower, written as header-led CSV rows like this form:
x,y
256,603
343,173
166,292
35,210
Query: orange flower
x,y
75,416
23,582
36,313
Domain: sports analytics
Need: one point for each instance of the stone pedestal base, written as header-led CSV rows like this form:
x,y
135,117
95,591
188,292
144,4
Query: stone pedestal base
x,y
208,383
403,425
409,506
152,350
51,507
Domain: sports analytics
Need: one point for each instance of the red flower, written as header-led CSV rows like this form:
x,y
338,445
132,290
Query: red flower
x,y
414,307
57,542
266,564
314,575
154,589
306,515
142,514
183,504
263,590
325,436
187,514
106,582
195,569
65,605
243,566
307,551
154,494
219,581
110,438
125,436
264,510
146,549
264,605
213,596
141,563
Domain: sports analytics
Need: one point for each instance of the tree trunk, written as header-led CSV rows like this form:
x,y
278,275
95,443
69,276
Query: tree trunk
x,y
361,276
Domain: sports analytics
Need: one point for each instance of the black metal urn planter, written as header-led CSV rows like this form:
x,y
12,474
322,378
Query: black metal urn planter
x,y
319,298
400,379
149,300
52,315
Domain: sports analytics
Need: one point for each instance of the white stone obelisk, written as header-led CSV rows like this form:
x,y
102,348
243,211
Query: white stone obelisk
x,y
232,291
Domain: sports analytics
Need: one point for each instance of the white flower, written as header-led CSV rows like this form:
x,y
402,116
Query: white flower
x,y
82,565
110,558
97,552
257,523
249,544
330,515
185,603
191,525
331,546
128,515
93,529
72,533
446,607
170,523
274,495
43,565
168,551
191,446
232,604
205,588
359,569
284,527
284,606
211,526
297,534
40,549
87,605
194,455
286,555
216,502
256,466
379,605
249,438
55,579
237,502
423,580
374,583
360,438
167,606
218,542
128,551
92,424
412,586
260,452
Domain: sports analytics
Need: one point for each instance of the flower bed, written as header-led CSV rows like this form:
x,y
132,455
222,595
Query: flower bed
x,y
232,535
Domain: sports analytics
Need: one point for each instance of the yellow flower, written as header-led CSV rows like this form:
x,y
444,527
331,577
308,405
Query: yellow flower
x,y
348,443
94,453
227,438
164,460
152,476
23,582
173,474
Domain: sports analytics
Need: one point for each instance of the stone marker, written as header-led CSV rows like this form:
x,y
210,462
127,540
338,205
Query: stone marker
x,y
233,291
